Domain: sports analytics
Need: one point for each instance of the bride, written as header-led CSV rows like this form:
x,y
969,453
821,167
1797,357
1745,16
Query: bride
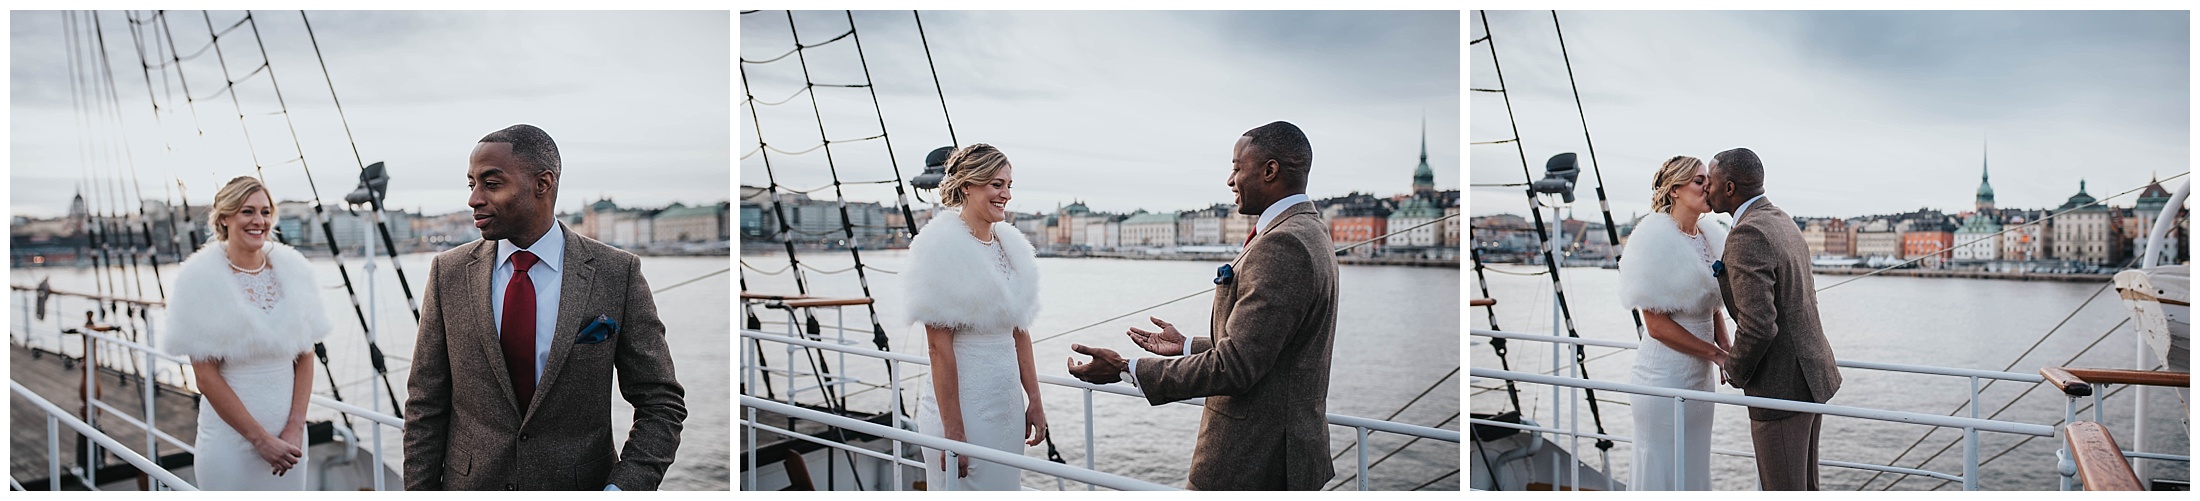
x,y
247,312
974,285
1667,272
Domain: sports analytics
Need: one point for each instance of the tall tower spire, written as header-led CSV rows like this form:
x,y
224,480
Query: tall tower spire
x,y
1424,178
1985,200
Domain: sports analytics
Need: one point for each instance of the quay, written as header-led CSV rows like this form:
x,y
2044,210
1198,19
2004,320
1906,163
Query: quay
x,y
1987,275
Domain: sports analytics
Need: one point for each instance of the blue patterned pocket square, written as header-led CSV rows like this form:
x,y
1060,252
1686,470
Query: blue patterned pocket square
x,y
1224,275
598,331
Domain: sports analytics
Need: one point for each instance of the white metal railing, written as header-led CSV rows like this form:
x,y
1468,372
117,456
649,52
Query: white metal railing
x,y
149,424
1974,375
1971,426
752,371
55,417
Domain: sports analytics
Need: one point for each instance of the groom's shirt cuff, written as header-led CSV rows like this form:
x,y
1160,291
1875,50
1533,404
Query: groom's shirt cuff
x,y
1132,374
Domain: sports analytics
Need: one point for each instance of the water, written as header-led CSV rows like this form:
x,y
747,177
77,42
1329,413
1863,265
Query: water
x,y
696,329
1963,323
1397,334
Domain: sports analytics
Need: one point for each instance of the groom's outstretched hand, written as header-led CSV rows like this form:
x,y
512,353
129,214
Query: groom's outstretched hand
x,y
1106,367
1166,343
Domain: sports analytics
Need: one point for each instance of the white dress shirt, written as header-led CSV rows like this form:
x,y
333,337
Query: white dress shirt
x,y
1266,216
1745,206
550,249
1276,209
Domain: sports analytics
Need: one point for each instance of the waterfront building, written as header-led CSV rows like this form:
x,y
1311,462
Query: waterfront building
x,y
1184,227
1977,239
1236,226
2027,237
1149,229
2088,234
1451,226
1827,237
1414,211
684,224
1207,225
2139,220
1355,223
1878,238
1928,239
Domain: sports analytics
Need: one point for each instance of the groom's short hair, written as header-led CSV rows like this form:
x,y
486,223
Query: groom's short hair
x,y
1287,145
1742,167
530,144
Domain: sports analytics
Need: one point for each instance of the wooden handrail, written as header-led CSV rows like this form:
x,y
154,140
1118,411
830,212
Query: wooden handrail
x,y
1481,302
2126,376
2069,384
757,296
826,301
2101,464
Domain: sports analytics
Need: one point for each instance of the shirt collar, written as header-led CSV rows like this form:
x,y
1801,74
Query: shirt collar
x,y
1276,209
1744,207
550,249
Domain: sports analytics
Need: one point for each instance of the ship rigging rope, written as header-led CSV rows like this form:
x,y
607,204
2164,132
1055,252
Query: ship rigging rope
x,y
1997,234
179,59
698,278
2028,438
1604,203
138,42
1205,290
1990,383
1566,314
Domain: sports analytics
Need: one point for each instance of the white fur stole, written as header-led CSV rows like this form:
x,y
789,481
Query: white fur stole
x,y
951,281
209,317
1659,269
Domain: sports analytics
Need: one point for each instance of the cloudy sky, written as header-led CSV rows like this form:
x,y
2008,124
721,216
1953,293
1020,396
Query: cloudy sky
x,y
636,100
1123,110
1854,113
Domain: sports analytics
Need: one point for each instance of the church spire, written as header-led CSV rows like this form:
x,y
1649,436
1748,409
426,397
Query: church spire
x,y
1985,201
1424,178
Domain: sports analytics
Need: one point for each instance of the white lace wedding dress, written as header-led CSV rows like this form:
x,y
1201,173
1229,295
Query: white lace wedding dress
x,y
992,395
1661,366
226,460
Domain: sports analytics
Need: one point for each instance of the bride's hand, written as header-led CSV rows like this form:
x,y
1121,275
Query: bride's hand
x,y
1167,342
278,453
294,434
1035,423
962,465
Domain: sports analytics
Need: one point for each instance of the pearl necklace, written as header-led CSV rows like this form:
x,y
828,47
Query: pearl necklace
x,y
255,271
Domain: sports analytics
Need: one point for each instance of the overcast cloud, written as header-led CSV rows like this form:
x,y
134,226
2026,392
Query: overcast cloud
x,y
1854,113
1123,110
636,100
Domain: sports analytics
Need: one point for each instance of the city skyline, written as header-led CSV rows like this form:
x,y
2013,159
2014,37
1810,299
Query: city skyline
x,y
619,91
1854,113
1119,109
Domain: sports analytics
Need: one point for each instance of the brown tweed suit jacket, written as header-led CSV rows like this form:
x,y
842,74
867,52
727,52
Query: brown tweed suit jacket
x,y
465,430
1780,351
1266,368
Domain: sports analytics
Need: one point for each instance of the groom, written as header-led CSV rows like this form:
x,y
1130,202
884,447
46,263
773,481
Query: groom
x,y
1266,368
1779,349
520,335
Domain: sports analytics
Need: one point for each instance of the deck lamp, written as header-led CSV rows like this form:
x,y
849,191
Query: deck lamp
x,y
1558,177
935,169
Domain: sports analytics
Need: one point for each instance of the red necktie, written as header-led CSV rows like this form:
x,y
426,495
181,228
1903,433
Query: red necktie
x,y
517,335
1249,235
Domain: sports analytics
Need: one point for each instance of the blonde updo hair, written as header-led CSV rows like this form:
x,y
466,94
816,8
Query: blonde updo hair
x,y
970,165
1677,172
230,201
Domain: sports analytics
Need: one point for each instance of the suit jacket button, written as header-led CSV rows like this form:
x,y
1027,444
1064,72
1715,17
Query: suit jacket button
x,y
509,487
523,437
